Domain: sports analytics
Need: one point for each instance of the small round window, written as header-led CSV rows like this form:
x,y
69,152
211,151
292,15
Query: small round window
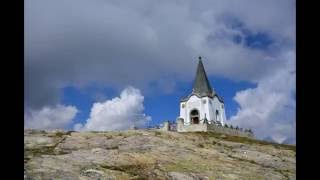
x,y
204,101
183,105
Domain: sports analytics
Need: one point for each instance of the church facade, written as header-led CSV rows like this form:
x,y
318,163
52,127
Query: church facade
x,y
203,105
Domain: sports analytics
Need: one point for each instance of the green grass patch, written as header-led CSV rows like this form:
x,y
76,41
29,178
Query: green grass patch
x,y
157,133
60,134
244,140
187,166
201,145
134,170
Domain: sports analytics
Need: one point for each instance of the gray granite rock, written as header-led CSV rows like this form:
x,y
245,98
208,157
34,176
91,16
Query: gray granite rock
x,y
153,154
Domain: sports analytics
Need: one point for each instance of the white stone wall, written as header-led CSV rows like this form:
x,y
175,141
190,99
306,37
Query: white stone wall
x,y
165,126
211,128
193,103
217,105
207,108
192,128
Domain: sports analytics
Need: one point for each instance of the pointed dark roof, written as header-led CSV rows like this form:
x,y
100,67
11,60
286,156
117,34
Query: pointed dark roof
x,y
201,85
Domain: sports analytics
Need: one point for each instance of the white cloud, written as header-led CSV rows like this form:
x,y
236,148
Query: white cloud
x,y
104,41
269,109
57,117
118,113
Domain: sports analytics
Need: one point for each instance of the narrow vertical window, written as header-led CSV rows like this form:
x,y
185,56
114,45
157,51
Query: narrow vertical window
x,y
217,115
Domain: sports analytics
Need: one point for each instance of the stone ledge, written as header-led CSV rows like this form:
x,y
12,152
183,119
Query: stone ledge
x,y
211,128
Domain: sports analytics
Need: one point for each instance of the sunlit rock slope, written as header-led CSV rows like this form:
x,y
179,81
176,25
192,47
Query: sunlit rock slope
x,y
153,154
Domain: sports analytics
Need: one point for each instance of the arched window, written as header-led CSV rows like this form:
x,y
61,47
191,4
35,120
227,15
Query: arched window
x,y
194,116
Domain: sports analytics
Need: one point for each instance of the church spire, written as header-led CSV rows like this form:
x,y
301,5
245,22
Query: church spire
x,y
201,84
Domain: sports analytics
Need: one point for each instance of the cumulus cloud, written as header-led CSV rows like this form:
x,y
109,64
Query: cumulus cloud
x,y
269,109
115,43
78,42
57,117
118,113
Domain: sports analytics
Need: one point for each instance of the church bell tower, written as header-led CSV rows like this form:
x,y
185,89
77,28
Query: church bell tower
x,y
203,104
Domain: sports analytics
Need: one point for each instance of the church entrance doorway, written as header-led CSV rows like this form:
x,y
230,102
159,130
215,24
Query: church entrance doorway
x,y
194,116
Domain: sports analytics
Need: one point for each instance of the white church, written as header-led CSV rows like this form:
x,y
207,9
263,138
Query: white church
x,y
203,105
203,110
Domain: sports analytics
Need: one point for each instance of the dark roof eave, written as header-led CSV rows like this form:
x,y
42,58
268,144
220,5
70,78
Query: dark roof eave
x,y
201,96
219,98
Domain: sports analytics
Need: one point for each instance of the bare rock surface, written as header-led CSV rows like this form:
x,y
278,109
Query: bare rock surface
x,y
153,154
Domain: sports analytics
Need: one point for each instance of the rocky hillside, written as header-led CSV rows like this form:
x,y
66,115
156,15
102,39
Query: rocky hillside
x,y
153,154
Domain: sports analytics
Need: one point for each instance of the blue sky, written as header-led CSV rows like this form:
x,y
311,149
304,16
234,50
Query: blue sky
x,y
166,106
159,107
83,59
